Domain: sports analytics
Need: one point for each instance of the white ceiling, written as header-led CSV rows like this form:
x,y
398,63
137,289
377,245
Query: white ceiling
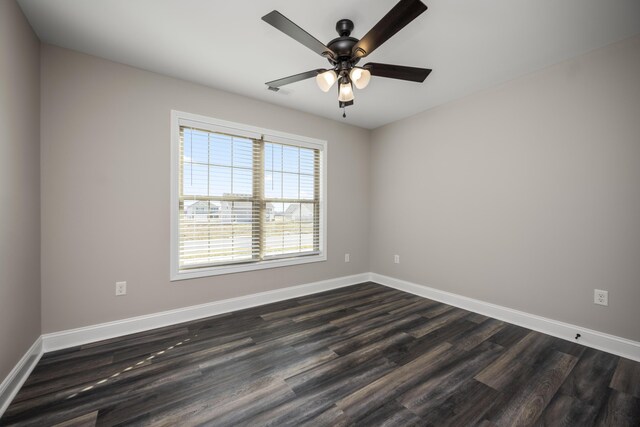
x,y
470,44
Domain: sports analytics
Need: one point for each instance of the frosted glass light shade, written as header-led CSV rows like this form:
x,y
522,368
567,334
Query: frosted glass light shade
x,y
346,92
326,80
360,77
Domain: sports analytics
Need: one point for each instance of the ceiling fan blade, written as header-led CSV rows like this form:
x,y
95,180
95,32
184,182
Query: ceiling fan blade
x,y
397,18
397,71
284,24
294,78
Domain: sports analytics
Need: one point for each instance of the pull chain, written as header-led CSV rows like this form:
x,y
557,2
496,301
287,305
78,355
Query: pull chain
x,y
344,113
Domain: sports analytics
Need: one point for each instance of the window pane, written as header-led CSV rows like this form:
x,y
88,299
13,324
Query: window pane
x,y
196,147
307,227
268,156
273,185
279,231
216,232
306,187
307,214
243,213
307,161
290,159
306,242
276,157
219,181
242,182
289,229
273,230
269,212
194,180
290,188
220,146
242,152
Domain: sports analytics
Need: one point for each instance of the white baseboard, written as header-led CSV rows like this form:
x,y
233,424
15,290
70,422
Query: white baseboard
x,y
590,338
599,340
73,337
19,374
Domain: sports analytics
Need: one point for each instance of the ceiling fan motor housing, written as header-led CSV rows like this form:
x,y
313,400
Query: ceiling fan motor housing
x,y
343,45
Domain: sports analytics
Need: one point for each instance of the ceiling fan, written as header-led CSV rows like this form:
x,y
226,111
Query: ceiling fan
x,y
344,52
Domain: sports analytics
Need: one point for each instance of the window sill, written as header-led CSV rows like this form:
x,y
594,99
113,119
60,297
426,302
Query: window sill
x,y
240,268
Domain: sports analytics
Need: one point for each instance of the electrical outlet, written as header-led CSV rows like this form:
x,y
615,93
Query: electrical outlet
x,y
396,259
121,288
346,257
600,297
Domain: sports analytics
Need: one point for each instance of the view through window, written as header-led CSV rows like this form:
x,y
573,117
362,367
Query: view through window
x,y
245,200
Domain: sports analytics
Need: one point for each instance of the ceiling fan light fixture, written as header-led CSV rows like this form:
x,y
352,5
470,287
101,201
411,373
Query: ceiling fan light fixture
x,y
360,77
326,80
346,92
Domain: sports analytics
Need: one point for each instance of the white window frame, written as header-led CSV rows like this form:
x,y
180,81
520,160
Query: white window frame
x,y
181,118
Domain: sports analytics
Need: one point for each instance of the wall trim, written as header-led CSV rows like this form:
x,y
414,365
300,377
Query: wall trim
x,y
84,335
590,338
19,374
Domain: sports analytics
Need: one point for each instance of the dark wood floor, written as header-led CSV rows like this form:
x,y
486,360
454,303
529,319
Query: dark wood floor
x,y
364,355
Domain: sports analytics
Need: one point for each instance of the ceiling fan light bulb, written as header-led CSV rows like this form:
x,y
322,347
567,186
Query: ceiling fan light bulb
x,y
360,77
346,92
326,80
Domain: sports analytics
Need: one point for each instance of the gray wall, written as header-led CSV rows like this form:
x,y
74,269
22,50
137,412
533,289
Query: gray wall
x,y
19,186
526,195
105,191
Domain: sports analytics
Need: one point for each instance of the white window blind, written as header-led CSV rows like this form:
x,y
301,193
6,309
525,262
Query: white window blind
x,y
245,198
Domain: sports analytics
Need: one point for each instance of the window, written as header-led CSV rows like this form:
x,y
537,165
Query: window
x,y
243,198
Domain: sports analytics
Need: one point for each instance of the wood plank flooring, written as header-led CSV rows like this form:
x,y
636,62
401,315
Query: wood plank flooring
x,y
364,355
